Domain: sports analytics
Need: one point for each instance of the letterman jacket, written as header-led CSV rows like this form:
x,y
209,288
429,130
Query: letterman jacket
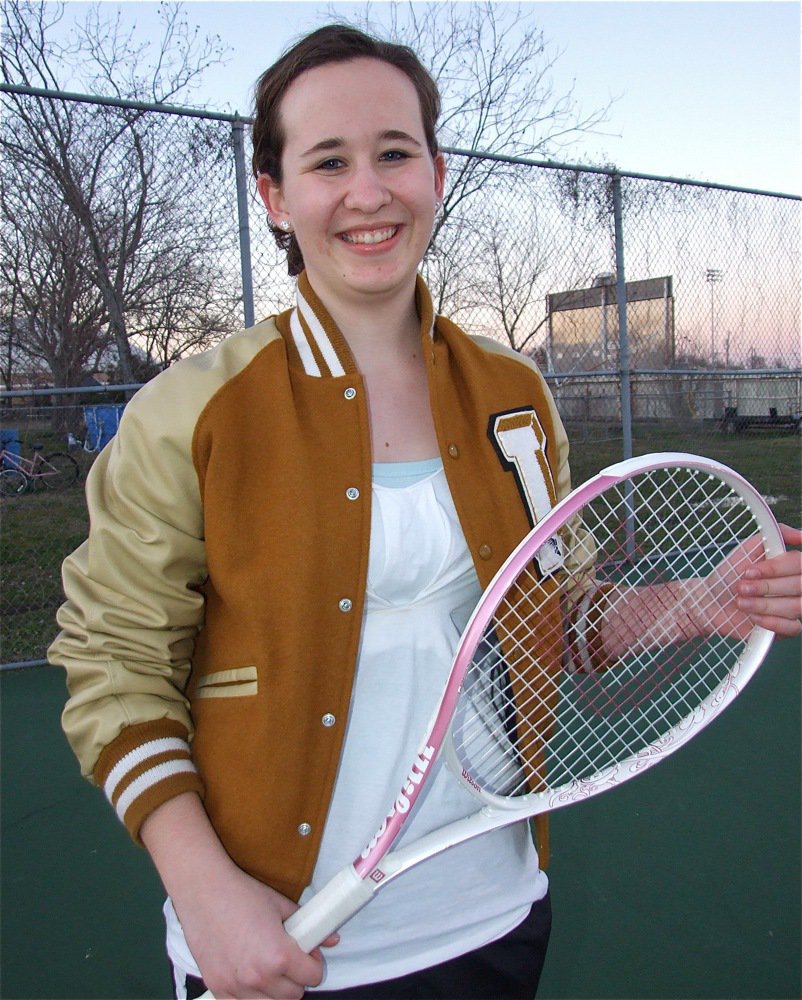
x,y
213,617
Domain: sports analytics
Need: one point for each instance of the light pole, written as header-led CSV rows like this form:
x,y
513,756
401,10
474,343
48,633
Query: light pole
x,y
713,276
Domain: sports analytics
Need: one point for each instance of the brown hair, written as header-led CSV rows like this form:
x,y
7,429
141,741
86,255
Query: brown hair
x,y
330,44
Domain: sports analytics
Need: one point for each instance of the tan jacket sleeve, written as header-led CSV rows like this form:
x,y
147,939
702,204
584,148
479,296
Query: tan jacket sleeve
x,y
134,601
133,609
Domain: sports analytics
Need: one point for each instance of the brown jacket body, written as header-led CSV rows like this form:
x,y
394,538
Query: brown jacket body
x,y
213,617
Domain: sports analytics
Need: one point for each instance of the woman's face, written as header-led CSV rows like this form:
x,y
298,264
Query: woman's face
x,y
359,184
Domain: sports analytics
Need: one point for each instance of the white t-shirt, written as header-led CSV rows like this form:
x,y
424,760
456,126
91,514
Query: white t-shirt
x,y
422,587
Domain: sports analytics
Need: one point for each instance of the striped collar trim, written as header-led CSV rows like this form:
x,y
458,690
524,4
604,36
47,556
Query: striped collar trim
x,y
317,342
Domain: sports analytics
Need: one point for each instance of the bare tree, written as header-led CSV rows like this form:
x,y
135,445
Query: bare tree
x,y
186,312
104,163
515,260
54,310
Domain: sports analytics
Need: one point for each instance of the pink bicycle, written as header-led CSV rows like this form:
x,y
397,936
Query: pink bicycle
x,y
18,474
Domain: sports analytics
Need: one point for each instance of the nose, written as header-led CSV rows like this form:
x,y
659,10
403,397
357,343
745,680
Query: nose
x,y
367,191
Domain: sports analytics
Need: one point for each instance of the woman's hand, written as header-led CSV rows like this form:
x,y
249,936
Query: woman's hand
x,y
769,592
234,929
233,924
745,590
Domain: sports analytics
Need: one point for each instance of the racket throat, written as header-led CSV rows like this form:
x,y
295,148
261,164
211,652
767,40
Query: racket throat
x,y
486,819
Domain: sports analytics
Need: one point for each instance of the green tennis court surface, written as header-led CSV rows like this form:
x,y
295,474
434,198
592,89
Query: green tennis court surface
x,y
683,883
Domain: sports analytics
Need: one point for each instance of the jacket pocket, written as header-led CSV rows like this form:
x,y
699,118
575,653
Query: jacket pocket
x,y
238,682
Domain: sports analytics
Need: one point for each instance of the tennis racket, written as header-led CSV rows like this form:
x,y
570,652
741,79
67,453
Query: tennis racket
x,y
607,640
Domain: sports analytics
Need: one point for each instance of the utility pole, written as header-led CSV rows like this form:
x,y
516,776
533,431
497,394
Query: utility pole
x,y
713,276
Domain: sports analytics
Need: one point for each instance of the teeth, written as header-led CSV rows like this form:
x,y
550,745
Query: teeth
x,y
377,236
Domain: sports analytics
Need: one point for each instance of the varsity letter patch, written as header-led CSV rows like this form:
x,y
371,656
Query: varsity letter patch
x,y
520,443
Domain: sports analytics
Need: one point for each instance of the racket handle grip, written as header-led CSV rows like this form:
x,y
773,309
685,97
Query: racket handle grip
x,y
337,901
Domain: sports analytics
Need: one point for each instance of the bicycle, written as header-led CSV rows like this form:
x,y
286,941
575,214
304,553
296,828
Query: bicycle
x,y
57,471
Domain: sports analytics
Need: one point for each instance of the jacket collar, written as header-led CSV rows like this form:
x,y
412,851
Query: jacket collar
x,y
314,340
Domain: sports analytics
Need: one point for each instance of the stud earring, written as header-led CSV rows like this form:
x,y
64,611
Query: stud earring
x,y
285,225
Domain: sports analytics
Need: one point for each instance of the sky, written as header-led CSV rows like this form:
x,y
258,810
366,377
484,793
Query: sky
x,y
707,90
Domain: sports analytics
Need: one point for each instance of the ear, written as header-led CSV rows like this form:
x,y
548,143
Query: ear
x,y
271,196
439,176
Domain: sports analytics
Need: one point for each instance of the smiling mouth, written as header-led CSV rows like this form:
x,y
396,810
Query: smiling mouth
x,y
370,238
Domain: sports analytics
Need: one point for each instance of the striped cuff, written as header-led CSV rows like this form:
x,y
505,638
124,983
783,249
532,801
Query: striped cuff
x,y
145,766
579,661
586,650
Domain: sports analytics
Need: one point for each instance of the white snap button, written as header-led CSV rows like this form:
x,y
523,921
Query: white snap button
x,y
352,493
304,829
345,604
328,720
350,393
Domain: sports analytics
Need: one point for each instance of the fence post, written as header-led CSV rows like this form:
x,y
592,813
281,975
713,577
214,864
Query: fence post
x,y
237,135
623,333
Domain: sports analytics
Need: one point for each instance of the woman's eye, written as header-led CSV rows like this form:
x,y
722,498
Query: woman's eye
x,y
332,164
395,155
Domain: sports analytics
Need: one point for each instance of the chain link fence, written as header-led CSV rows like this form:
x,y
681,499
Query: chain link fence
x,y
664,313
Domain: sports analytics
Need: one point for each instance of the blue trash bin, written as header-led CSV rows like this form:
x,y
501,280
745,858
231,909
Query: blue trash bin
x,y
101,424
9,438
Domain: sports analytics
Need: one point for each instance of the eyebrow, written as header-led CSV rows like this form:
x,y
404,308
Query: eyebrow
x,y
336,142
400,136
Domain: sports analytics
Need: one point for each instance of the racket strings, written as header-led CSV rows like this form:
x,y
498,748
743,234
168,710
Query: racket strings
x,y
590,665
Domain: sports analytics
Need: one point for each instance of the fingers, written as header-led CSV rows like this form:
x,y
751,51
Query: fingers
x,y
245,951
786,628
783,609
780,576
282,980
786,585
330,942
777,600
773,602
791,536
770,591
787,564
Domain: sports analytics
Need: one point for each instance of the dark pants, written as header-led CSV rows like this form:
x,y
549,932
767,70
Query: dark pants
x,y
507,969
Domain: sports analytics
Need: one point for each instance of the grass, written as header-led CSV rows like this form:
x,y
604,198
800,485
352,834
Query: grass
x,y
771,462
41,528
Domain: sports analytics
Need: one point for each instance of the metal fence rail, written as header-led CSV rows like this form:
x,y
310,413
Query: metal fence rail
x,y
664,312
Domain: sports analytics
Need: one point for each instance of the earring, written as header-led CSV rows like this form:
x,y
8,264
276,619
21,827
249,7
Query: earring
x,y
285,225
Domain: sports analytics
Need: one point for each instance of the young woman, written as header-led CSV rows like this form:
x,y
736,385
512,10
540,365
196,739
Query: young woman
x,y
288,533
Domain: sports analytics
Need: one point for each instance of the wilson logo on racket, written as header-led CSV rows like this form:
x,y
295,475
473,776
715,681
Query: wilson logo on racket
x,y
414,778
402,804
467,777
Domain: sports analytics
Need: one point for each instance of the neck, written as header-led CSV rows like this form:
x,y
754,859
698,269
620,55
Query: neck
x,y
383,335
379,331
